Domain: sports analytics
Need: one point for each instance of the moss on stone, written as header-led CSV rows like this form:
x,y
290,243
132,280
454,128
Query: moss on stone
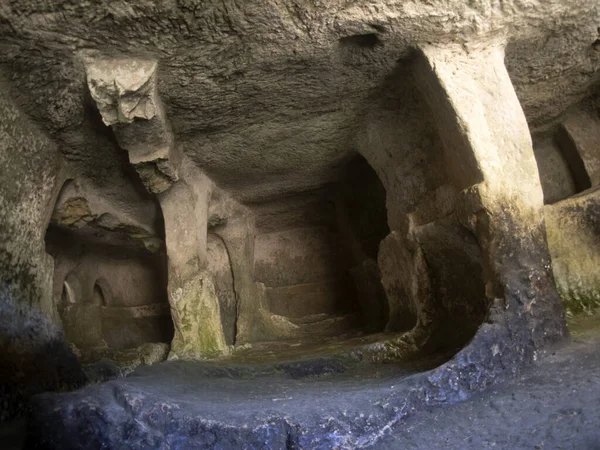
x,y
571,228
197,319
579,301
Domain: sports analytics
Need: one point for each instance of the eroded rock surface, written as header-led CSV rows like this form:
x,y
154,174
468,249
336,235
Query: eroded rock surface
x,y
196,314
264,171
125,92
573,230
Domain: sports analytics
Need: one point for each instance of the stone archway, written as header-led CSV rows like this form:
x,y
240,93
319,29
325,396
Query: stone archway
x,y
101,293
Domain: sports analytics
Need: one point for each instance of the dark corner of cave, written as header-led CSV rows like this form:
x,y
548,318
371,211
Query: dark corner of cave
x,y
299,224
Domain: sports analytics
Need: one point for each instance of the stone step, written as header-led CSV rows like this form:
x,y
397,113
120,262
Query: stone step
x,y
136,312
325,325
328,296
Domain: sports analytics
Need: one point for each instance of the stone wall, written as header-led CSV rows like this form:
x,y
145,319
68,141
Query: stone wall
x,y
34,356
303,271
126,288
219,265
317,254
573,230
569,165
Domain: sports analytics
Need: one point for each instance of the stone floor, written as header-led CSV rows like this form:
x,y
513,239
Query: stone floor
x,y
552,405
196,405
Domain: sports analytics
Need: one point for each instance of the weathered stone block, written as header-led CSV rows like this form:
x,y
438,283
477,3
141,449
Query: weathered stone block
x,y
126,95
197,319
573,231
123,89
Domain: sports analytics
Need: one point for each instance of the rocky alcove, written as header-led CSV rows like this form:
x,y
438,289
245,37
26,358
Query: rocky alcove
x,y
287,224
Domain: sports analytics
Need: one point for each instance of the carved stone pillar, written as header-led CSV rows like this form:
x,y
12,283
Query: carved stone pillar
x,y
194,303
490,161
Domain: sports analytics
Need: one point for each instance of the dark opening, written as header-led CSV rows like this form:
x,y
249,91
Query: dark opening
x,y
110,288
98,296
363,41
568,147
316,253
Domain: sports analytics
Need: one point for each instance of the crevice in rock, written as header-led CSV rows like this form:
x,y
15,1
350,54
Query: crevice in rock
x,y
568,148
361,41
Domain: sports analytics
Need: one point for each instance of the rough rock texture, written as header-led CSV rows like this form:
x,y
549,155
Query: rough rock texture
x,y
195,307
107,295
581,136
188,404
105,364
34,355
573,230
87,212
248,119
492,143
196,315
387,407
125,92
296,73
552,405
219,266
555,174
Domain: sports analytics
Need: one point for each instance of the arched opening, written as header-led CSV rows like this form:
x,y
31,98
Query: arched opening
x,y
68,296
316,254
374,257
109,277
432,264
98,296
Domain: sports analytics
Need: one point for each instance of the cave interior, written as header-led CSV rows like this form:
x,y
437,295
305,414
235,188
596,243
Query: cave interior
x,y
370,193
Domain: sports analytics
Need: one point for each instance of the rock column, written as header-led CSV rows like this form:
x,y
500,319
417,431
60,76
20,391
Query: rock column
x,y
125,92
490,161
194,303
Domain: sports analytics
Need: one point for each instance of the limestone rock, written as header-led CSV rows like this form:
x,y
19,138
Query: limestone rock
x,y
248,120
394,263
88,210
219,266
582,129
73,212
123,89
126,95
573,231
105,364
35,356
196,316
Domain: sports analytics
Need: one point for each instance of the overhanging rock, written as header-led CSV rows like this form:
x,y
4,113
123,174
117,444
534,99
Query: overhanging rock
x,y
126,96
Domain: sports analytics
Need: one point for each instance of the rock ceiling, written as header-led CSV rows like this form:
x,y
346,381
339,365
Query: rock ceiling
x,y
267,96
